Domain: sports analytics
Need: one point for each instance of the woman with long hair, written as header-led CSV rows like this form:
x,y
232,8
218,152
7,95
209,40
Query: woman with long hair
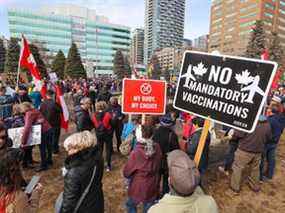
x,y
12,198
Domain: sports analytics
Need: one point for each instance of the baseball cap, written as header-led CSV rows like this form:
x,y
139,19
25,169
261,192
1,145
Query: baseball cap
x,y
183,174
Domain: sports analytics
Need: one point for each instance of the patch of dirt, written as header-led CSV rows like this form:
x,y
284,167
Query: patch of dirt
x,y
271,199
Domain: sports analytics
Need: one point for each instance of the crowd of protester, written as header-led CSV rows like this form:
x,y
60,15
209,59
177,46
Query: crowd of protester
x,y
159,173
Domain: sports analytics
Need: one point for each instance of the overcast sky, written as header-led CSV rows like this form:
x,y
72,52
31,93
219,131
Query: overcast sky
x,y
126,12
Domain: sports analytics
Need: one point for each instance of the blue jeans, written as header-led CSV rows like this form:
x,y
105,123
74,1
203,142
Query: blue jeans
x,y
268,154
132,206
230,156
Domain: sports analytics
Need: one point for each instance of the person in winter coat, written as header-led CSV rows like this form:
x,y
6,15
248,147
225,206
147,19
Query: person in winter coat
x,y
193,143
77,97
36,98
102,122
52,113
185,194
22,95
117,119
82,117
6,104
35,117
248,154
5,142
142,169
276,121
12,198
104,95
167,139
84,160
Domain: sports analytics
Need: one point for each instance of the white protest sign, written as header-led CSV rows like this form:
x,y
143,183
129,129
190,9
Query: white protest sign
x,y
16,135
53,77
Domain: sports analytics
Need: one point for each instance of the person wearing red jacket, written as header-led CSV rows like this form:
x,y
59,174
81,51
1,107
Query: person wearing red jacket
x,y
34,117
142,169
102,122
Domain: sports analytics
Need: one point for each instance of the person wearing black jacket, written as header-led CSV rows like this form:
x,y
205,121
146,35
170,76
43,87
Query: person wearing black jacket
x,y
104,95
117,120
167,139
193,142
52,111
83,168
82,117
22,96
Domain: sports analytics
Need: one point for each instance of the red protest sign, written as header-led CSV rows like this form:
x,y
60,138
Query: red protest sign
x,y
144,96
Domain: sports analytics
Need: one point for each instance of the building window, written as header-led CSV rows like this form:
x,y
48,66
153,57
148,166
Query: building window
x,y
249,7
270,6
268,15
282,11
248,15
246,24
282,3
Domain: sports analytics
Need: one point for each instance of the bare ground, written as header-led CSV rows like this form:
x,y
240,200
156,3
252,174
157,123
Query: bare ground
x,y
271,199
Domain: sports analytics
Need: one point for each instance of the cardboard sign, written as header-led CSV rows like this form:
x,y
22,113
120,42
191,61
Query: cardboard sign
x,y
144,96
53,77
16,135
230,90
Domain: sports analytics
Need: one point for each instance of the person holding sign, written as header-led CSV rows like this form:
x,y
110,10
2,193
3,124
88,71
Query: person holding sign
x,y
33,117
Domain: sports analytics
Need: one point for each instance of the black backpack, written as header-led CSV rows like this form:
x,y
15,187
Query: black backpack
x,y
99,127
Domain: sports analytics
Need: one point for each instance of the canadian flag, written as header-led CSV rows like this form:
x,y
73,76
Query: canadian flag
x,y
27,61
60,100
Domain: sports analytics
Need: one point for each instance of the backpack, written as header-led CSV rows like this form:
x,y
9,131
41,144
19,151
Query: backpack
x,y
99,125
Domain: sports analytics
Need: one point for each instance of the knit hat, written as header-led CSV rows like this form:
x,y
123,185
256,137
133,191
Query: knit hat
x,y
167,121
183,174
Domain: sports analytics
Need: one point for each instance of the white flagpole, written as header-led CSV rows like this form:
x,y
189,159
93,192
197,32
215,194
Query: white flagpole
x,y
21,53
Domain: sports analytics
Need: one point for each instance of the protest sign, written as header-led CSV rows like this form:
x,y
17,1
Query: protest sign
x,y
16,135
144,96
229,90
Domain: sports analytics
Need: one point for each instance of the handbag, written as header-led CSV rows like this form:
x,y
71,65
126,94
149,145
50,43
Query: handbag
x,y
126,146
59,200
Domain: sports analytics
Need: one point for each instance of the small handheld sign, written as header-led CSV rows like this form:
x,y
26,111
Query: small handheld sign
x,y
143,96
230,90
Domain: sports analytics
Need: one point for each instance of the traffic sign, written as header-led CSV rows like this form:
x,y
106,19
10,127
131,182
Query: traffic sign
x,y
144,96
230,90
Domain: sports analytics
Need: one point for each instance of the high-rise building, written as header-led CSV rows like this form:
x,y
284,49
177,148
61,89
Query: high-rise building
x,y
57,27
201,43
168,58
137,46
232,22
164,25
187,43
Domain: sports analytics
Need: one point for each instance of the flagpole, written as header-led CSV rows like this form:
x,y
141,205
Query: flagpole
x,y
19,65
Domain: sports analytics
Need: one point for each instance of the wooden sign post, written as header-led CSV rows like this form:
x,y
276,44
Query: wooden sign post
x,y
202,142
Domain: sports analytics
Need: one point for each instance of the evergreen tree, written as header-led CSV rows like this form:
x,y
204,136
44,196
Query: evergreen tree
x,y
119,65
2,56
12,57
73,66
276,50
257,41
39,61
156,70
58,64
128,69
